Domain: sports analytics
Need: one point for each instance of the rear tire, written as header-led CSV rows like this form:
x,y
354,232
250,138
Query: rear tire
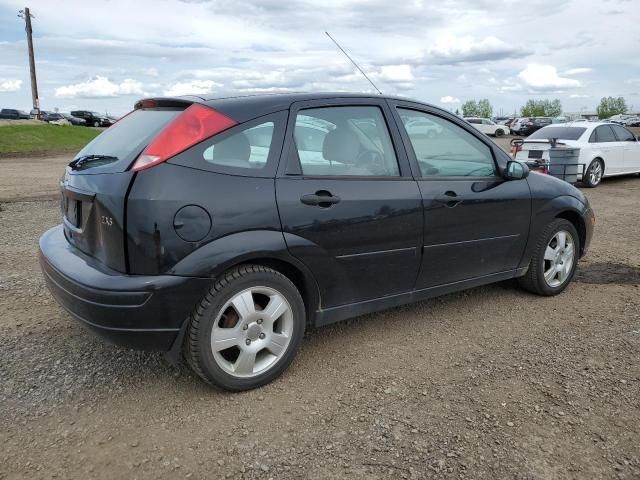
x,y
499,132
554,260
593,174
246,330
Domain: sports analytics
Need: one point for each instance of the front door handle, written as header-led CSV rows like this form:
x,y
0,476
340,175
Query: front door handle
x,y
450,199
321,198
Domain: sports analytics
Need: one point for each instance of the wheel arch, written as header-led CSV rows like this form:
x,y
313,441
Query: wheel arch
x,y
261,247
604,164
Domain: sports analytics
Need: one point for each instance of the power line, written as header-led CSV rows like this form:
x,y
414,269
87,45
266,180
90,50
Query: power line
x,y
353,61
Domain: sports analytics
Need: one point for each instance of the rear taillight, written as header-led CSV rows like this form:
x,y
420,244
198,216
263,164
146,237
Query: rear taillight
x,y
195,124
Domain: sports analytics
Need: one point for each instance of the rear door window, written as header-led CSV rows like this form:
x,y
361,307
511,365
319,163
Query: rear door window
x,y
603,134
344,141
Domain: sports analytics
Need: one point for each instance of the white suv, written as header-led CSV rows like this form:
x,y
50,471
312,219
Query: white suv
x,y
487,126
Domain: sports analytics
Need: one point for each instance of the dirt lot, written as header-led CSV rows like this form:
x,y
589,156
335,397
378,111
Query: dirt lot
x,y
488,383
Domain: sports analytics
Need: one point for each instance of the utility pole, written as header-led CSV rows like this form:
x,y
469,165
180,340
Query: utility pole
x,y
32,62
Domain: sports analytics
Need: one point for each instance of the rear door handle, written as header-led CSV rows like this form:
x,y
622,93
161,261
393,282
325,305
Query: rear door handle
x,y
450,199
321,198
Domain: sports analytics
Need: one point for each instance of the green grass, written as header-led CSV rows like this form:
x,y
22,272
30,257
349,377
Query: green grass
x,y
24,139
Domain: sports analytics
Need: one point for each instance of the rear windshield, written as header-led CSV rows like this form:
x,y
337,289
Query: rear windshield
x,y
561,133
115,148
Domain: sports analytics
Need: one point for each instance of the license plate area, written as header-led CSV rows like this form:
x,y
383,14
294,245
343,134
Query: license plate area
x,y
73,212
76,205
535,153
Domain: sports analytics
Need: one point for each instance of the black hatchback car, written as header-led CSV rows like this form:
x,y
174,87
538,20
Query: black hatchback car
x,y
220,229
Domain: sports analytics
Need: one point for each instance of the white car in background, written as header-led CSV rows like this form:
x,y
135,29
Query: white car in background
x,y
606,149
487,126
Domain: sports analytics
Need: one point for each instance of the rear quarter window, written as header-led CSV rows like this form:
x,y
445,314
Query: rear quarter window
x,y
251,149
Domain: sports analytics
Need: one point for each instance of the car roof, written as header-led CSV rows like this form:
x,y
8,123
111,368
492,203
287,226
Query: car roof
x,y
246,107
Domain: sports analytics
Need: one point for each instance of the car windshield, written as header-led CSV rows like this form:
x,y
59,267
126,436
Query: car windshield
x,y
562,133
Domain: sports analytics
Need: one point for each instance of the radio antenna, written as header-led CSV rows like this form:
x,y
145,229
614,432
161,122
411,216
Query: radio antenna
x,y
353,61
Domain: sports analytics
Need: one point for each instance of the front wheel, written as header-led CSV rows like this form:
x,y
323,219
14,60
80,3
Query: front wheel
x,y
247,329
593,175
554,261
499,132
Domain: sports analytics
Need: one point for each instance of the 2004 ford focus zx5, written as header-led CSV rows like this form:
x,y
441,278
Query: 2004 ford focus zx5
x,y
218,229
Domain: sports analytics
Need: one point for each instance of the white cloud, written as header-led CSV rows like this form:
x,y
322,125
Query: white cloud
x,y
449,49
10,85
192,87
396,73
100,87
577,71
536,77
579,95
449,99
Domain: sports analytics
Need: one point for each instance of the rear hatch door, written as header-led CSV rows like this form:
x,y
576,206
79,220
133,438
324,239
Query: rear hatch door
x,y
95,185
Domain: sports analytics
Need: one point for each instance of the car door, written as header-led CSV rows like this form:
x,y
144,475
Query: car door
x,y
630,149
349,207
476,224
609,148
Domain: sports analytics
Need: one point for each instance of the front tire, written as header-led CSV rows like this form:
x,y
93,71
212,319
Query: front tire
x,y
593,174
554,260
499,132
247,329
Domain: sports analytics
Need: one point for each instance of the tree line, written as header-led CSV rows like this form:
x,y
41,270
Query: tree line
x,y
608,107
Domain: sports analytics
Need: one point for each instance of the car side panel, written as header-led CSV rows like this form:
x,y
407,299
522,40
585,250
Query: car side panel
x,y
232,204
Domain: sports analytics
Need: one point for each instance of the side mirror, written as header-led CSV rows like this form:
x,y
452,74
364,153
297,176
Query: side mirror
x,y
516,170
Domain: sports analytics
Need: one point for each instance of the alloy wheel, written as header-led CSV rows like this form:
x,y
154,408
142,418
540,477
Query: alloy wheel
x,y
595,173
559,258
252,332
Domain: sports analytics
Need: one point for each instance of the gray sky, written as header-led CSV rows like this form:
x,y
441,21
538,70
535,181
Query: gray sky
x,y
105,55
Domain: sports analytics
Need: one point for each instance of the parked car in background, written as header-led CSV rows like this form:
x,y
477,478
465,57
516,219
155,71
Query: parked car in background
x,y
515,125
13,114
92,119
74,120
502,120
632,122
111,119
606,149
487,126
50,116
220,229
619,119
526,126
559,120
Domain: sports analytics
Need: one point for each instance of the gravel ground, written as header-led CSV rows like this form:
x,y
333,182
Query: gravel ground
x,y
487,383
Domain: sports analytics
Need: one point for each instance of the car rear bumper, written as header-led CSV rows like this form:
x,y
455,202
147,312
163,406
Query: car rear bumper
x,y
144,312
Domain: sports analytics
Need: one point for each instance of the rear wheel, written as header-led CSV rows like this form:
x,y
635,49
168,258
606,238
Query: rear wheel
x,y
247,329
554,261
499,132
593,175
